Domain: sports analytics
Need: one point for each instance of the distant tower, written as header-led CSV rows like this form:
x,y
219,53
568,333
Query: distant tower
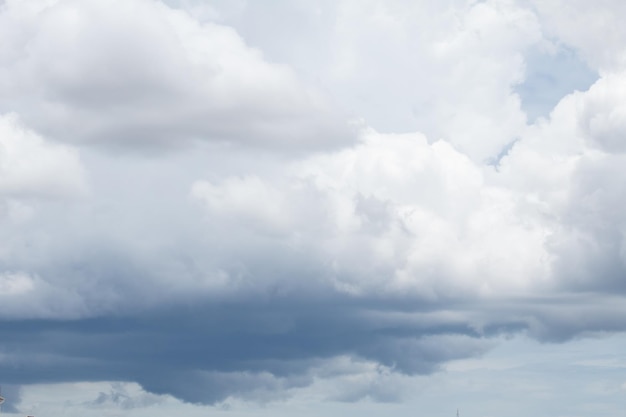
x,y
457,412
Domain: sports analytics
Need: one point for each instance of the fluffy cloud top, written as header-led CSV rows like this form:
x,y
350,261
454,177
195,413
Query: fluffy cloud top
x,y
139,73
32,166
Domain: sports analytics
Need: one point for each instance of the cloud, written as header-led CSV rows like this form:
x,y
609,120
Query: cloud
x,y
446,69
246,348
13,397
139,74
31,166
34,171
602,44
120,397
362,256
15,283
248,200
603,114
364,267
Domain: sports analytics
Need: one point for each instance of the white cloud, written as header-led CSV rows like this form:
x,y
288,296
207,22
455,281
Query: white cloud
x,y
602,113
33,166
33,171
446,69
132,73
14,283
248,200
396,213
602,40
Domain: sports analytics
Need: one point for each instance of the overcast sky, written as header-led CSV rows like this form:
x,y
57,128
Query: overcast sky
x,y
313,208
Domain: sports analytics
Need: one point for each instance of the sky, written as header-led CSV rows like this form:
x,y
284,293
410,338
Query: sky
x,y
302,208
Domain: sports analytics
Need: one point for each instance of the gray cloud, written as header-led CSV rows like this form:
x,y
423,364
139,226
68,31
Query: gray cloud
x,y
206,302
121,398
210,352
13,396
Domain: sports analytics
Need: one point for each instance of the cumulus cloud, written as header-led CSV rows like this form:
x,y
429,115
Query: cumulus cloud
x,y
232,270
410,206
33,166
15,283
33,171
139,73
446,69
603,114
601,43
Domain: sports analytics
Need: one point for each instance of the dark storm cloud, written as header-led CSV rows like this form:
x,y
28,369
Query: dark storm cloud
x,y
223,348
258,346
